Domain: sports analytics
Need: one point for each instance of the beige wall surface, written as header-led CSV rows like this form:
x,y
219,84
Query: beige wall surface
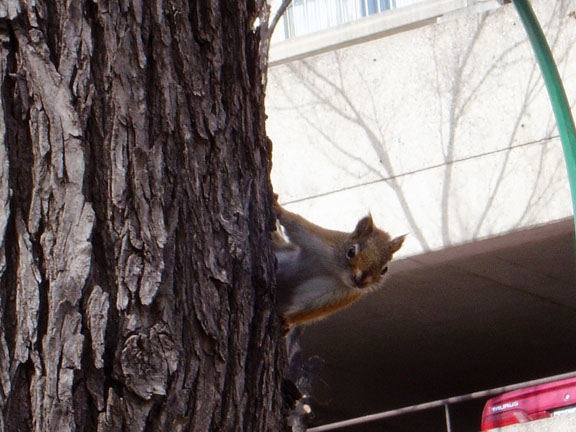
x,y
444,132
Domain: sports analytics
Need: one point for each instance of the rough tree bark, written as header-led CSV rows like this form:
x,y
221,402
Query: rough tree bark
x,y
135,205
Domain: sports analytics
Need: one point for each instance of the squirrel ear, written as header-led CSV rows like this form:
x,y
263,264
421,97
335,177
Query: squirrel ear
x,y
396,243
365,226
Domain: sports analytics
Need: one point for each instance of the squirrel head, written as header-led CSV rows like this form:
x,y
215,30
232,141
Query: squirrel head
x,y
366,254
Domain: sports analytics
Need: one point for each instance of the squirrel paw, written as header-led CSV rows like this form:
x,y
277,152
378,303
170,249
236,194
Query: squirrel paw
x,y
277,206
286,328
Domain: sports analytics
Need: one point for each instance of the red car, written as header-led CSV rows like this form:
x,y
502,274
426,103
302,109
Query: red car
x,y
530,403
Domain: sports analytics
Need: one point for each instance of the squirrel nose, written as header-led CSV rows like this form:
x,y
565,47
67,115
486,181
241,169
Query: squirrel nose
x,y
360,279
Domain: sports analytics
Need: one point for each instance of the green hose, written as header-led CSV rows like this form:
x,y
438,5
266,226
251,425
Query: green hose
x,y
556,92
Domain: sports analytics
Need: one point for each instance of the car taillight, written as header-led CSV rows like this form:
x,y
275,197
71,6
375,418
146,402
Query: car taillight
x,y
504,419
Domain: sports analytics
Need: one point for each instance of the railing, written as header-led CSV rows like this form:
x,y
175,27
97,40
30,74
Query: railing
x,y
439,403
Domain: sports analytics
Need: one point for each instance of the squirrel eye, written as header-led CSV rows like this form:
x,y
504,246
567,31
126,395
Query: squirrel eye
x,y
384,270
351,253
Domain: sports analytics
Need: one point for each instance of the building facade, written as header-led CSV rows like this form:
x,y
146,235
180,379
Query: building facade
x,y
443,131
432,116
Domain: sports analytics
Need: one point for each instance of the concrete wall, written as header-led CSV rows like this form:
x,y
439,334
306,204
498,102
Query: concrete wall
x,y
444,132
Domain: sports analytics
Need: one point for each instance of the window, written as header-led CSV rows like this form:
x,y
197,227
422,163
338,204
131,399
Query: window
x,y
364,20
308,16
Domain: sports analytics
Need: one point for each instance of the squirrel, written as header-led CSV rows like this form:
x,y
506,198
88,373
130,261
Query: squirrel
x,y
321,271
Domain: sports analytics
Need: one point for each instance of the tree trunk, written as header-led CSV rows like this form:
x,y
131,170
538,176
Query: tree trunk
x,y
135,206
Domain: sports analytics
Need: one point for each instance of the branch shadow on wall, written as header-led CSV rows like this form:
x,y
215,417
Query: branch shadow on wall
x,y
458,84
